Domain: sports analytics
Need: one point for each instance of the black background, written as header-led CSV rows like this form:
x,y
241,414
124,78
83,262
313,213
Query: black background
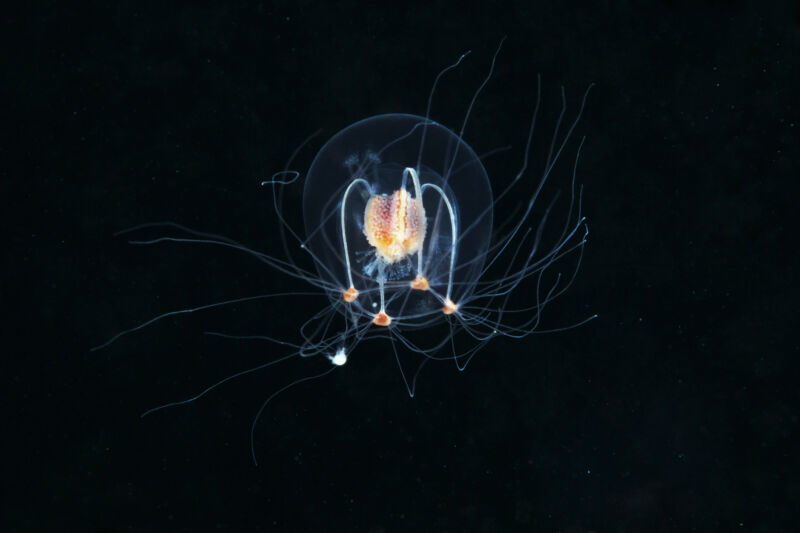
x,y
675,410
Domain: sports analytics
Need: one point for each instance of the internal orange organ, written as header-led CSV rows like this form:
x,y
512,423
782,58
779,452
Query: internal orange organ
x,y
394,225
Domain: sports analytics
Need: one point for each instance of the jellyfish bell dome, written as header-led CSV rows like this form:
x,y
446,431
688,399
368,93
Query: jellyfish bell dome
x,y
380,167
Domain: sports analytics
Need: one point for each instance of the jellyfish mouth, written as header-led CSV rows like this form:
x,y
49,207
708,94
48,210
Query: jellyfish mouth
x,y
394,225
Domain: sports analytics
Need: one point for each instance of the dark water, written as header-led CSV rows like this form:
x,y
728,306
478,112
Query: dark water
x,y
675,410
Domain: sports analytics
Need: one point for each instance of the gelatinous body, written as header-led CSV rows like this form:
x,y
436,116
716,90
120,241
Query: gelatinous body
x,y
398,210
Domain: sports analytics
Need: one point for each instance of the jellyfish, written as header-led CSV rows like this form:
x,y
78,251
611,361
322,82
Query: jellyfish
x,y
401,244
